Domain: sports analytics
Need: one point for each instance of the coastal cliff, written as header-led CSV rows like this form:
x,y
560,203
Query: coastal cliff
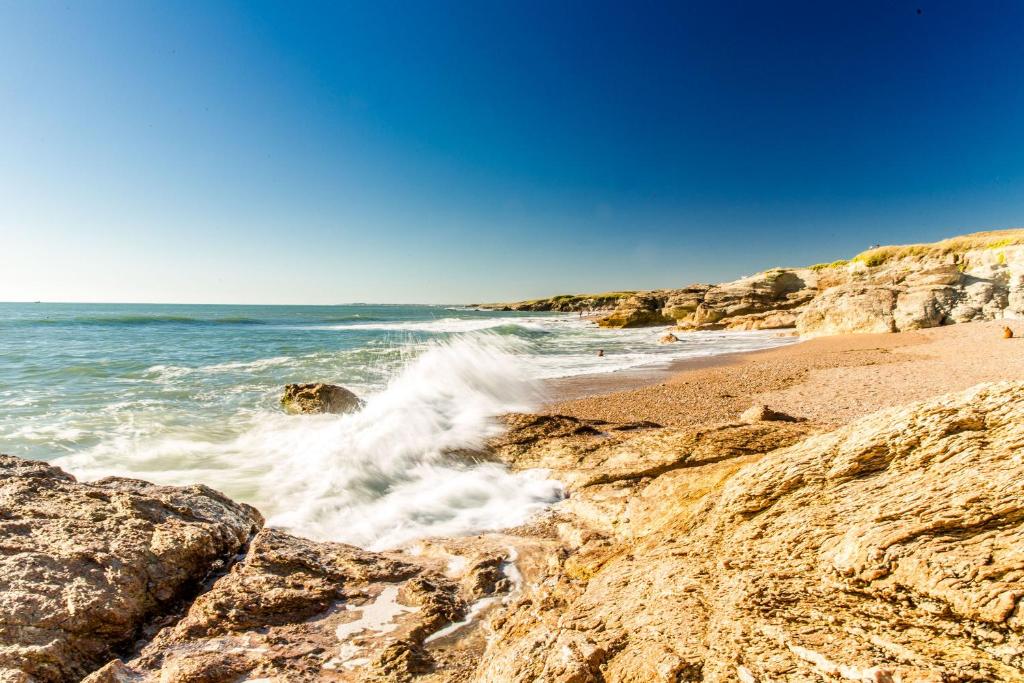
x,y
886,289
725,545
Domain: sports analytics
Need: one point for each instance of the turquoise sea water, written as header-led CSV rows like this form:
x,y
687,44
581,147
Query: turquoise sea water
x,y
177,394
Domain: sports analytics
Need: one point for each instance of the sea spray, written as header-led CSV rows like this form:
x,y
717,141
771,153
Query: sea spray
x,y
397,469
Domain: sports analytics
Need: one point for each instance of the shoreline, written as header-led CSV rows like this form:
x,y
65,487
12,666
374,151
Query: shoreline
x,y
564,389
654,537
827,380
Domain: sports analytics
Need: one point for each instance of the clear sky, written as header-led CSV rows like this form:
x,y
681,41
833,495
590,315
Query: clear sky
x,y
283,152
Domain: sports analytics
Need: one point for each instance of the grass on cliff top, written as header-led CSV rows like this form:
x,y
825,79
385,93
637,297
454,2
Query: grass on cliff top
x,y
992,239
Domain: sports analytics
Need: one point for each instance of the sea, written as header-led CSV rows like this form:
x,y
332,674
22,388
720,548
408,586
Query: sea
x,y
183,394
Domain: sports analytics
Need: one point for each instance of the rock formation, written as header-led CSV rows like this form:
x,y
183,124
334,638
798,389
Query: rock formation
x,y
886,289
888,550
85,569
319,398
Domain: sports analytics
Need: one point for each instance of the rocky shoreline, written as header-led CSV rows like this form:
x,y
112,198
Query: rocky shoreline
x,y
886,289
847,508
878,546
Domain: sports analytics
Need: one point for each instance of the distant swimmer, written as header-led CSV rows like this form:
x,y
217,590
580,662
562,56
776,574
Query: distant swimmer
x,y
600,352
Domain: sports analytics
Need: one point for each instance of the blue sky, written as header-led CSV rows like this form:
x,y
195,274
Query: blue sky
x,y
271,152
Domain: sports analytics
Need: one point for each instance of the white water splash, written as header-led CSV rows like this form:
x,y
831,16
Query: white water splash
x,y
390,473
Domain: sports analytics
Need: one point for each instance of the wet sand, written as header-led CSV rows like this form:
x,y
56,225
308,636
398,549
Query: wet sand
x,y
828,381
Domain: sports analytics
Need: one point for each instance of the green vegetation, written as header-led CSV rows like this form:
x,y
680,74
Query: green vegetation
x,y
835,264
993,239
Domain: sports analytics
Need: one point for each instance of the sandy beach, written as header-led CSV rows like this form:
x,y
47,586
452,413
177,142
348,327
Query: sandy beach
x,y
827,381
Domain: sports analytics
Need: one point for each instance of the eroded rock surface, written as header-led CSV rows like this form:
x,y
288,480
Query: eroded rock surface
x,y
888,550
84,567
299,610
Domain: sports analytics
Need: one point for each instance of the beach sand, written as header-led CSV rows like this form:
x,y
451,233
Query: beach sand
x,y
828,381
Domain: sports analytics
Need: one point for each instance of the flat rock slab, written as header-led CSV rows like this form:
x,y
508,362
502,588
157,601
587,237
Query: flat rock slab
x,y
300,610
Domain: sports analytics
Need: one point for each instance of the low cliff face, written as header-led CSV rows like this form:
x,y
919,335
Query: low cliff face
x,y
887,289
909,291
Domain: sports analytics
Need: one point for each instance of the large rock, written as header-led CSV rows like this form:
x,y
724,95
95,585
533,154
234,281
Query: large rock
x,y
682,303
885,551
84,567
319,398
849,309
642,310
767,300
770,291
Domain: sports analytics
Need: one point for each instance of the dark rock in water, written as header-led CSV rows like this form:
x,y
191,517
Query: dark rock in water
x,y
85,568
319,398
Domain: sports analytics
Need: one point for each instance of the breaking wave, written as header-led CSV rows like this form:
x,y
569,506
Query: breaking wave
x,y
394,471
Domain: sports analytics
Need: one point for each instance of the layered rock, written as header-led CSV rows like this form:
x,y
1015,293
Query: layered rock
x,y
319,398
86,568
886,289
887,550
912,291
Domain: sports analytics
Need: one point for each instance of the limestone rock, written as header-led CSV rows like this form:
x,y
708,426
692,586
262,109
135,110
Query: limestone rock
x,y
887,550
668,338
918,288
319,398
767,300
86,566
